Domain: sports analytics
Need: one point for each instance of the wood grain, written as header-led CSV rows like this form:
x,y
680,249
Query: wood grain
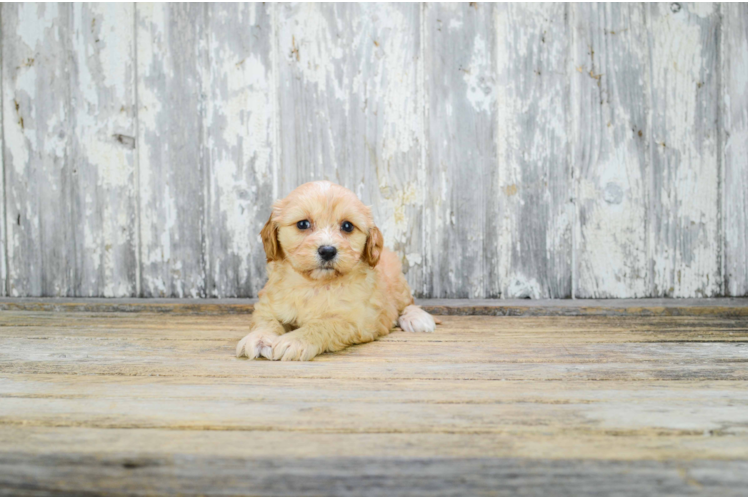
x,y
350,112
684,225
172,79
3,208
122,403
535,195
734,102
37,127
241,145
128,474
102,102
724,308
609,121
461,213
588,151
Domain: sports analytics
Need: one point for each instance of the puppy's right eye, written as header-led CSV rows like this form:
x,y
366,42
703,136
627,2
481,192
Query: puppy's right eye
x,y
303,224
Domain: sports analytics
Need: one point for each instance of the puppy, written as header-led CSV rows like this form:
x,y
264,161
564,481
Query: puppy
x,y
331,283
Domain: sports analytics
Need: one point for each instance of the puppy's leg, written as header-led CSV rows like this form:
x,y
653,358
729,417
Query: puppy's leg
x,y
415,319
318,337
259,343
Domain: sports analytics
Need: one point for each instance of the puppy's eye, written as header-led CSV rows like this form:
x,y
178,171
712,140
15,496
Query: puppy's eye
x,y
347,227
303,224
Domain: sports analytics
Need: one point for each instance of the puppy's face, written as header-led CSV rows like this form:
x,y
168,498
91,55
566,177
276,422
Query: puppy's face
x,y
322,230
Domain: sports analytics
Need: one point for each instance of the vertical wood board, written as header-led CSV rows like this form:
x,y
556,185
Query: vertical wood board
x,y
734,58
102,163
171,155
685,245
461,206
240,141
536,212
37,154
610,128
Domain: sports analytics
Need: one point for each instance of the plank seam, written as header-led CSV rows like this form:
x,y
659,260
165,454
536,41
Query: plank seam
x,y
6,279
138,242
570,128
722,238
424,132
649,154
275,96
648,170
71,155
205,65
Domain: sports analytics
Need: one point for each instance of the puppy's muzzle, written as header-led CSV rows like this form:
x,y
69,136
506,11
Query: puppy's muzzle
x,y
327,253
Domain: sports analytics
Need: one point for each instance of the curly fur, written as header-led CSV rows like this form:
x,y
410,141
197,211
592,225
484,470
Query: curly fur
x,y
309,306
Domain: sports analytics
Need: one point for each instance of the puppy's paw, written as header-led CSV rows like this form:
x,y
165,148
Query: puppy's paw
x,y
415,319
257,344
294,347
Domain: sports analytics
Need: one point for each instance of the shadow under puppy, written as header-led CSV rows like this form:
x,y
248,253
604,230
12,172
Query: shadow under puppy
x,y
331,283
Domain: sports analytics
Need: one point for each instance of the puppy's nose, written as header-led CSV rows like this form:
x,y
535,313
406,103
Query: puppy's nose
x,y
327,252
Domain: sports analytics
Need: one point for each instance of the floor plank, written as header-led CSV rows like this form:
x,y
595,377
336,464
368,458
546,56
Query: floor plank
x,y
152,403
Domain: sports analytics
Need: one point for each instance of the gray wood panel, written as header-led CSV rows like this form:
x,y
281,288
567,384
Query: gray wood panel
x,y
351,106
37,128
535,185
609,83
194,474
508,151
71,197
685,245
102,107
122,403
461,206
734,102
172,159
241,144
3,237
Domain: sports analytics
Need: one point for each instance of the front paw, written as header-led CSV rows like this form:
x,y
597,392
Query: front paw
x,y
415,319
294,347
257,344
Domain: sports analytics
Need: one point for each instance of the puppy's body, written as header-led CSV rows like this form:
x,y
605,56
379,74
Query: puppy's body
x,y
313,303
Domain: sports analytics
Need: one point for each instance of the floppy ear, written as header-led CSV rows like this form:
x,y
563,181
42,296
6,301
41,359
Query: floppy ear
x,y
269,235
373,248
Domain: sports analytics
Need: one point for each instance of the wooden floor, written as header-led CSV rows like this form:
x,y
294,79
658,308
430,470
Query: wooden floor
x,y
154,403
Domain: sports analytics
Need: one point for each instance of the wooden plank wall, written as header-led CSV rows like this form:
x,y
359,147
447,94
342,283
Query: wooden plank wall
x,y
514,151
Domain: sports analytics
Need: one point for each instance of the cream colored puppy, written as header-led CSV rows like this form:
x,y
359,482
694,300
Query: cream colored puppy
x,y
331,283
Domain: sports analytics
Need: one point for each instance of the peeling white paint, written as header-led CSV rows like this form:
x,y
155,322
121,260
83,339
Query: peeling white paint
x,y
366,108
478,77
686,260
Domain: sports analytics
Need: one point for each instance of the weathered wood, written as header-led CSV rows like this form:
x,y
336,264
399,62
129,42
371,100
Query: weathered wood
x,y
134,442
172,67
609,83
242,145
351,112
3,217
733,307
69,79
734,102
157,345
461,210
152,403
684,221
120,475
102,107
462,125
536,211
37,127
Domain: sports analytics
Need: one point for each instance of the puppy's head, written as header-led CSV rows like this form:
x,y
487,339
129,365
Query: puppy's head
x,y
322,230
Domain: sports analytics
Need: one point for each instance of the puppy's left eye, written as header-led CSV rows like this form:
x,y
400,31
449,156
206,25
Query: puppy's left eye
x,y
303,224
347,227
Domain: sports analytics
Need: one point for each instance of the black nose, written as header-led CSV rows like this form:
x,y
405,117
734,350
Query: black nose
x,y
327,252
